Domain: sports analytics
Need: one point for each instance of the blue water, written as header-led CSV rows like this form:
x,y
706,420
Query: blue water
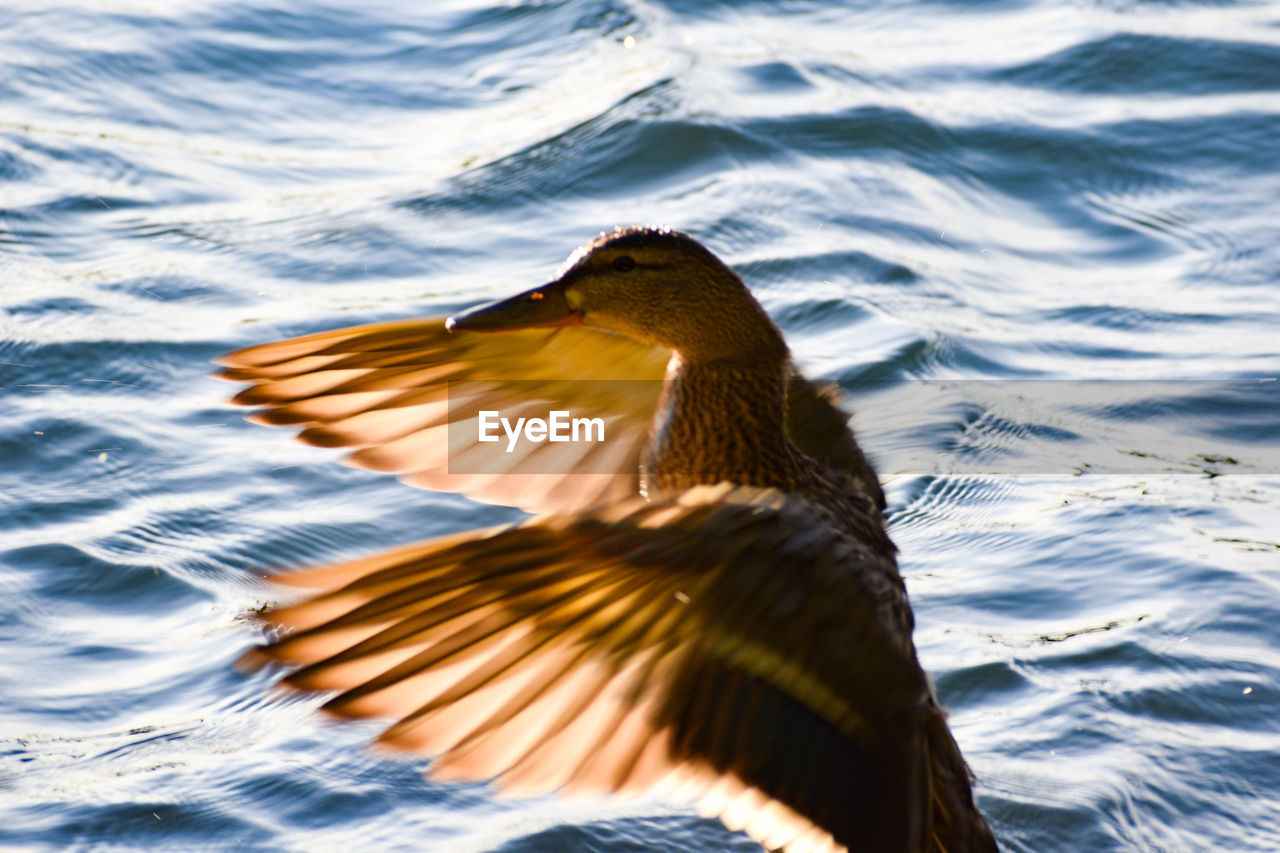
x,y
916,190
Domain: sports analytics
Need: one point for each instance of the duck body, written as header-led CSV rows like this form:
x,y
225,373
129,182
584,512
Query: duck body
x,y
736,629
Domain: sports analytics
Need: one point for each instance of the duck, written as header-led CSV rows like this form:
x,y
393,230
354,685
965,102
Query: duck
x,y
705,604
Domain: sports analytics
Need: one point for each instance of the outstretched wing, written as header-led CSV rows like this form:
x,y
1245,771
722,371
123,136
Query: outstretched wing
x,y
728,643
394,391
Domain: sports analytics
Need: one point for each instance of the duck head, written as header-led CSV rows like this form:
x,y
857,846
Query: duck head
x,y
654,285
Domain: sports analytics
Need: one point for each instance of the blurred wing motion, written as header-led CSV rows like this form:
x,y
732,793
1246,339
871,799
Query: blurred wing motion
x,y
644,644
393,390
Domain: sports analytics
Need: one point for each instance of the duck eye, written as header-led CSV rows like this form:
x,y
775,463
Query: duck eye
x,y
624,263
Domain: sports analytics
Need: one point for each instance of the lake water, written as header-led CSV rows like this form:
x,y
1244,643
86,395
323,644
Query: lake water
x,y
1047,192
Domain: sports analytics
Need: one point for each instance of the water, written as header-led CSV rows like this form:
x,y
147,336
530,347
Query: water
x,y
916,190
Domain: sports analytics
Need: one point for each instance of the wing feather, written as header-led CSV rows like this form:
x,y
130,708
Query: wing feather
x,y
391,392
634,647
405,395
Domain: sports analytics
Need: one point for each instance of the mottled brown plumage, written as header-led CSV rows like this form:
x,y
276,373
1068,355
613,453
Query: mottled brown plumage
x,y
715,608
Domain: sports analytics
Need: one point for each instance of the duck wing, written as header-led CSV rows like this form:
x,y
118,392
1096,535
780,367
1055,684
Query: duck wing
x,y
406,397
728,644
398,392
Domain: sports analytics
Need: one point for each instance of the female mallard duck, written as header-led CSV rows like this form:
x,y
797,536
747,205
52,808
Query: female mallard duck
x,y
713,606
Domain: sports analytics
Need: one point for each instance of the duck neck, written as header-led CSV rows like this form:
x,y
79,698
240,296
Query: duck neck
x,y
721,420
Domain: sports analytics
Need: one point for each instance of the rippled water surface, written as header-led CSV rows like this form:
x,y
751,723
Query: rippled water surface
x,y
916,190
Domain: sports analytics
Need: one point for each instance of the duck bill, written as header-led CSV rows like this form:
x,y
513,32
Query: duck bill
x,y
541,307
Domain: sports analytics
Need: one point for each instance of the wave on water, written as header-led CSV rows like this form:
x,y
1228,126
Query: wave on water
x,y
948,208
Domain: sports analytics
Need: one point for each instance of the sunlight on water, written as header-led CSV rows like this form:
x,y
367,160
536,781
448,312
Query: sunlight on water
x,y
921,194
